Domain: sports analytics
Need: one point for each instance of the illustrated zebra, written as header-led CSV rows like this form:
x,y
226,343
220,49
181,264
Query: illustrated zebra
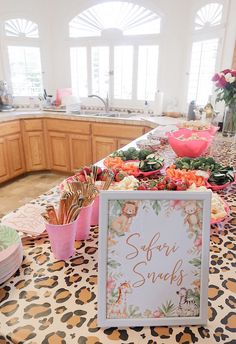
x,y
187,306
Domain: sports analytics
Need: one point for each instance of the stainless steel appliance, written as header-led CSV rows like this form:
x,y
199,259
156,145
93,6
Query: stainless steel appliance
x,y
5,97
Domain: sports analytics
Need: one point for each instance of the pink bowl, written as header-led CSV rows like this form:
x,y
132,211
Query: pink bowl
x,y
211,130
185,147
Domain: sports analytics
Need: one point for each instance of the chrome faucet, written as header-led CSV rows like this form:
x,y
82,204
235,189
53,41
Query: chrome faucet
x,y
105,102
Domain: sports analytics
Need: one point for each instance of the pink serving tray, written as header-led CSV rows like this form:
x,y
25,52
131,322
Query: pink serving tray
x,y
141,173
219,187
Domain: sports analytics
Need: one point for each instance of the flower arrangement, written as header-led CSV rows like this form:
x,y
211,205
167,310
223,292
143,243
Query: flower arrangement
x,y
225,83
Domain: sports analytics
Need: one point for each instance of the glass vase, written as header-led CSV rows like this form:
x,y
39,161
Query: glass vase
x,y
229,122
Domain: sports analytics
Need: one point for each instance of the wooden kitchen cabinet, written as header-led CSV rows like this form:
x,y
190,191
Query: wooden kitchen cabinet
x,y
15,155
65,145
4,166
80,151
103,146
34,145
35,151
59,151
122,142
108,137
117,130
73,139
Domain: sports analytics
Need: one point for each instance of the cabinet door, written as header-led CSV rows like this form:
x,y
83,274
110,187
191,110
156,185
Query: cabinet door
x,y
35,151
59,151
123,142
15,155
4,168
103,146
80,151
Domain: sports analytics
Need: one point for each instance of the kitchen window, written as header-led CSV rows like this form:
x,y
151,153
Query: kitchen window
x,y
24,60
207,36
114,50
203,60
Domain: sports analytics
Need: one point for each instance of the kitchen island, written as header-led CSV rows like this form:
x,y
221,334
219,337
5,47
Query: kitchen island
x,y
50,301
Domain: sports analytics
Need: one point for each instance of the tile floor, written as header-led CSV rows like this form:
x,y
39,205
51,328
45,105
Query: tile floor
x,y
22,190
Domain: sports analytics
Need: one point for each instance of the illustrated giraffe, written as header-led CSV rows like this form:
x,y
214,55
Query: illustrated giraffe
x,y
119,308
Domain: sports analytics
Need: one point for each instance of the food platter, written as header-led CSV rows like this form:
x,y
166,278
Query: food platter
x,y
219,187
140,173
220,219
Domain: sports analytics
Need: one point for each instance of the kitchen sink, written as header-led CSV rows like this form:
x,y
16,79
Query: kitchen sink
x,y
114,114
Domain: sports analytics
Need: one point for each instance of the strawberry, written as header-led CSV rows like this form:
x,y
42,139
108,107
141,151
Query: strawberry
x,y
181,186
120,176
142,187
99,170
161,186
171,185
87,170
103,176
81,178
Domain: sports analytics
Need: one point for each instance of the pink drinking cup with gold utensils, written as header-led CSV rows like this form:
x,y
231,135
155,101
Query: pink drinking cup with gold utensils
x,y
83,223
62,239
95,212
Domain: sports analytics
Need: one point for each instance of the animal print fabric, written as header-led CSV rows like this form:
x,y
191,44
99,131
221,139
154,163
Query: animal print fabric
x,y
51,301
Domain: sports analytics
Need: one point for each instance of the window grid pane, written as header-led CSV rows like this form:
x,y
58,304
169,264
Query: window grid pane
x,y
203,60
123,71
100,71
25,69
147,71
79,78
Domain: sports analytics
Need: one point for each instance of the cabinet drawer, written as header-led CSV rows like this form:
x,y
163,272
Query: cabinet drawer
x,y
72,126
117,130
10,127
33,124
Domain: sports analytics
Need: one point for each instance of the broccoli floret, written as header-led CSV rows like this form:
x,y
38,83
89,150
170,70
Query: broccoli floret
x,y
143,153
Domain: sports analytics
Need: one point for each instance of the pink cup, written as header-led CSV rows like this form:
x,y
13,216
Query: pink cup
x,y
62,239
83,223
95,212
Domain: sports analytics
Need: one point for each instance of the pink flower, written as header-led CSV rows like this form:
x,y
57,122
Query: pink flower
x,y
216,77
157,314
198,243
233,73
225,71
176,204
221,82
111,284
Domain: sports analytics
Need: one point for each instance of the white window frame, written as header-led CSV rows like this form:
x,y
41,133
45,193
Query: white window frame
x,y
7,41
215,32
134,41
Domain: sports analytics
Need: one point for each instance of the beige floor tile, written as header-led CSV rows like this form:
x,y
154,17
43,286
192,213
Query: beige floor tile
x,y
24,189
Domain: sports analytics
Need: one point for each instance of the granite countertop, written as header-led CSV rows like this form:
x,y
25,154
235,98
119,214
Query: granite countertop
x,y
151,121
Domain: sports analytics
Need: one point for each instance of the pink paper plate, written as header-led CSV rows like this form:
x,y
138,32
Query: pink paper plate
x,y
222,218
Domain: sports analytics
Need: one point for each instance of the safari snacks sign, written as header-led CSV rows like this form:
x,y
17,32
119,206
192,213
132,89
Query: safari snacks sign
x,y
153,258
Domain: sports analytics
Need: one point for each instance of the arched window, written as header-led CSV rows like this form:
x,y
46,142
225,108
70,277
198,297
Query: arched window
x,y
21,36
114,50
205,49
131,19
209,15
21,28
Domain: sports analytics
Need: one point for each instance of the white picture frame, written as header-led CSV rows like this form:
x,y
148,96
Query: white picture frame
x,y
123,304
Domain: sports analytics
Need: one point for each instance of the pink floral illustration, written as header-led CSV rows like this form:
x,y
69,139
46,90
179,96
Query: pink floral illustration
x,y
198,242
111,284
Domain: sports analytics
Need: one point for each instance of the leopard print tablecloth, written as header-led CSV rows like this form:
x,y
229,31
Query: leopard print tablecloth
x,y
49,301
